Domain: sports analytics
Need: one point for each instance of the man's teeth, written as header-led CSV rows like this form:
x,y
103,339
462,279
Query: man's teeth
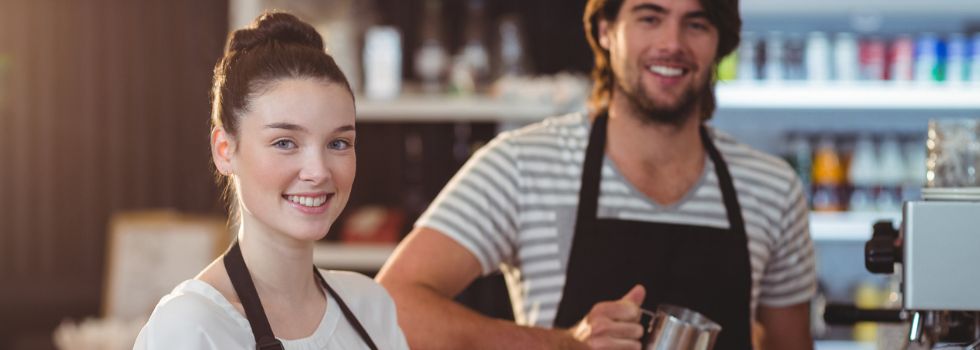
x,y
308,201
667,71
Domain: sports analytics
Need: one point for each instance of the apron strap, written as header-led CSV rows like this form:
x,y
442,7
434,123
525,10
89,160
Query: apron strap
x,y
588,198
347,313
732,208
241,280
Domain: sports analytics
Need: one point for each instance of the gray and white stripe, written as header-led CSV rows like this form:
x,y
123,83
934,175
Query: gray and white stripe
x,y
513,206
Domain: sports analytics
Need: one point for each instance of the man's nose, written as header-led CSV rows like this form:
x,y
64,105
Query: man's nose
x,y
669,39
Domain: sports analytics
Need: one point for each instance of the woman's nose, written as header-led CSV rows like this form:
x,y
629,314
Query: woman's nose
x,y
314,168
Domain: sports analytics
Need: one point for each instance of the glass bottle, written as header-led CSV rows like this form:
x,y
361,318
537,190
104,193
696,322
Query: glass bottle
x,y
863,175
828,177
801,158
474,54
511,59
431,59
892,174
748,69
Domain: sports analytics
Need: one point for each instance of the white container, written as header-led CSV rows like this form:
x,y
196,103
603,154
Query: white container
x,y
341,44
892,173
863,175
902,53
957,59
747,69
818,57
925,57
975,59
382,63
845,57
775,70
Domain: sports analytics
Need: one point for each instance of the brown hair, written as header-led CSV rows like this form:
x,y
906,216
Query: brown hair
x,y
275,46
723,14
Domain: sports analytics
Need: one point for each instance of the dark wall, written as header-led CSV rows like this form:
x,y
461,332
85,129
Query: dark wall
x,y
103,107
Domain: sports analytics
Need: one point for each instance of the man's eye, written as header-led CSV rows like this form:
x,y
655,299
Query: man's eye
x,y
700,26
649,19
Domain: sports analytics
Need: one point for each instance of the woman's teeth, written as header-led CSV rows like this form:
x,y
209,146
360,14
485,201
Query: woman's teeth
x,y
308,201
667,71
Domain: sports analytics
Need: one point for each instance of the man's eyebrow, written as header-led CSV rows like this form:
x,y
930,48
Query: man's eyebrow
x,y
697,14
661,10
648,7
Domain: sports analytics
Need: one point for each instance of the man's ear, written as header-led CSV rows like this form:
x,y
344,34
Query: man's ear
x,y
603,34
222,147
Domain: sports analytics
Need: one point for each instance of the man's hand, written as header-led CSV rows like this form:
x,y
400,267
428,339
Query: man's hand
x,y
613,324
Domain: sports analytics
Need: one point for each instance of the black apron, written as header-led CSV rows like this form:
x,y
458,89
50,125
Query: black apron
x,y
701,268
242,281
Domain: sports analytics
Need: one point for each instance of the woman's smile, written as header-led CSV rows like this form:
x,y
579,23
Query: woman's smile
x,y
309,203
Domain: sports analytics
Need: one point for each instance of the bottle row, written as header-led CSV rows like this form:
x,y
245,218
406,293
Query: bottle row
x,y
863,172
819,56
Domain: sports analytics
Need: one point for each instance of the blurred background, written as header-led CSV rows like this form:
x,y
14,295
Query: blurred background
x,y
104,117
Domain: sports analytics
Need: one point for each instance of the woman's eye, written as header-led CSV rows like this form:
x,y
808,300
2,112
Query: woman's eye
x,y
284,144
340,144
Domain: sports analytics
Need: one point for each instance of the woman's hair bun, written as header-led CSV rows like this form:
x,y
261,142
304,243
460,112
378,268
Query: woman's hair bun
x,y
276,27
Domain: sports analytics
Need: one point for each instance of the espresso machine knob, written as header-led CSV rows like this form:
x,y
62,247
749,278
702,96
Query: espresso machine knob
x,y
883,250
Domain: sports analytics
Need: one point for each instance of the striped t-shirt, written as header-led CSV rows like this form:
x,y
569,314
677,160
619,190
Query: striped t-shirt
x,y
513,206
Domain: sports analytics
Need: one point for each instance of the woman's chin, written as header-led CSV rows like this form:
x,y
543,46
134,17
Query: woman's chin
x,y
309,233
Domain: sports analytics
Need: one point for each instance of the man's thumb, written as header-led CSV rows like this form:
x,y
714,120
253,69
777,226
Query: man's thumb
x,y
636,295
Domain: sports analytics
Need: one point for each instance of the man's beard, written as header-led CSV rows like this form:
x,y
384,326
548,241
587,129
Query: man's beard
x,y
659,113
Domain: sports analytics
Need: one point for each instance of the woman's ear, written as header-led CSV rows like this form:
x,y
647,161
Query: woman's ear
x,y
222,147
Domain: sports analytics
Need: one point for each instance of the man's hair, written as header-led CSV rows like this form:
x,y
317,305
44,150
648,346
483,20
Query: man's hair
x,y
723,14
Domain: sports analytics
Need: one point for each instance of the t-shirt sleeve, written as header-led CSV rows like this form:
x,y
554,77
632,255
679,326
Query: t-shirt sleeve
x,y
478,207
393,336
180,322
790,276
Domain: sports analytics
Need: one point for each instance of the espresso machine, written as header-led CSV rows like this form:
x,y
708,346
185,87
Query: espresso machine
x,y
936,253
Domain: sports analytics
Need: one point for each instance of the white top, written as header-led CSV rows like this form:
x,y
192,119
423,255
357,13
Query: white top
x,y
196,316
513,206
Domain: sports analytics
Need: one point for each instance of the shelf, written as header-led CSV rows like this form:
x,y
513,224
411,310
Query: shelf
x,y
844,96
889,8
438,108
847,226
357,257
795,96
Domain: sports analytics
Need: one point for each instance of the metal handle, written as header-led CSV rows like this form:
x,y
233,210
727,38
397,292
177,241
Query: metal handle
x,y
915,331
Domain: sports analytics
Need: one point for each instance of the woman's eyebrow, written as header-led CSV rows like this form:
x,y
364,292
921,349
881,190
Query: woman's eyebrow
x,y
285,126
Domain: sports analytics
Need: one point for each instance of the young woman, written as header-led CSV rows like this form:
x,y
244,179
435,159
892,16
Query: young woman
x,y
283,137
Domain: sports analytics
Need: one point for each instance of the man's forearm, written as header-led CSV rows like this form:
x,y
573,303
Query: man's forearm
x,y
433,321
786,327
